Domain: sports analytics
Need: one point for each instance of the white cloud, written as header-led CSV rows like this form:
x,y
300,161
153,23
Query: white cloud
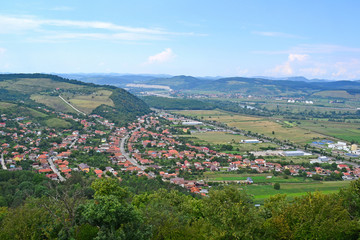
x,y
297,57
23,24
287,68
161,57
275,34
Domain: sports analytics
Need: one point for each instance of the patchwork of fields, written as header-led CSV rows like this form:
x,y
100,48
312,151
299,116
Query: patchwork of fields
x,y
261,125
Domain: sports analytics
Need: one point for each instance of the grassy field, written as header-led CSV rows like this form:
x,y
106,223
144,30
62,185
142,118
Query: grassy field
x,y
345,131
215,138
57,123
5,105
89,102
52,101
36,85
262,192
261,125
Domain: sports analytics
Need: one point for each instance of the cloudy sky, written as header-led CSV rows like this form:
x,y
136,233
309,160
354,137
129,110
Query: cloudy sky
x,y
315,39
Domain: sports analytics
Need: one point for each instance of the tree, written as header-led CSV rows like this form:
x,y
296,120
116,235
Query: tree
x,y
313,216
111,214
277,186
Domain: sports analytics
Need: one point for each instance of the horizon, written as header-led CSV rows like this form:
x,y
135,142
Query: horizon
x,y
203,39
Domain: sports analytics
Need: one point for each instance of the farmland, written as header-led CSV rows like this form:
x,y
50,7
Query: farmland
x,y
266,126
262,192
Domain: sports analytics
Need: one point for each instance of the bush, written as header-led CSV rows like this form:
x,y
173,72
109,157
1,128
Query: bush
x,y
277,186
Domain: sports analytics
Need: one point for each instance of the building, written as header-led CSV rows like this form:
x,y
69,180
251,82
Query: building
x,y
294,153
353,147
250,141
193,123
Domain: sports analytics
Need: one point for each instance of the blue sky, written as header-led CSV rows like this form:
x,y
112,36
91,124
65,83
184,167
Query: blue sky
x,y
315,39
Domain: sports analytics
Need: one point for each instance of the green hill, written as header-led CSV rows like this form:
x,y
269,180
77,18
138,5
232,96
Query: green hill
x,y
110,102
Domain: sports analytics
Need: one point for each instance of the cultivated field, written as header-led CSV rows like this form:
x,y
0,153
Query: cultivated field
x,y
346,131
215,138
262,192
52,101
89,102
260,125
57,123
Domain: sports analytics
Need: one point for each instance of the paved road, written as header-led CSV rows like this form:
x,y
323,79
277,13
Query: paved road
x,y
125,154
73,143
53,167
3,162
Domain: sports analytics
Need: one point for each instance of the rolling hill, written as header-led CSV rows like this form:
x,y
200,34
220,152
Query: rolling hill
x,y
113,103
257,86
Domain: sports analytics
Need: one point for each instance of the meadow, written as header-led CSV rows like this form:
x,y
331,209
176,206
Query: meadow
x,y
52,101
89,102
267,126
292,190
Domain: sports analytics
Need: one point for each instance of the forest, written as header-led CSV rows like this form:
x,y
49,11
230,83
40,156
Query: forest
x,y
85,207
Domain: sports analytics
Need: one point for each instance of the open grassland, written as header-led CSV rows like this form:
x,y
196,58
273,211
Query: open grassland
x,y
57,123
215,138
292,190
299,108
5,105
89,102
337,94
346,131
36,85
257,178
52,101
260,125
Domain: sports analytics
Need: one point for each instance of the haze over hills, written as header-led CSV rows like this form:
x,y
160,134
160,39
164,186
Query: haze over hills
x,y
287,86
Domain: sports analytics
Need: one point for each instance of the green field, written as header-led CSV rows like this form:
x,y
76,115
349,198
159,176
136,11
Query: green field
x,y
262,192
215,138
52,101
345,131
5,105
36,85
57,123
260,125
89,102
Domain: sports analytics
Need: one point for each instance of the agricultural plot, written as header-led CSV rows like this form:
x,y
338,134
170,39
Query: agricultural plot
x,y
257,125
52,101
36,85
345,131
89,102
215,138
292,190
57,123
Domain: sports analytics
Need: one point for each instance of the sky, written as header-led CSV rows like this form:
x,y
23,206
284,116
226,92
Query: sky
x,y
315,39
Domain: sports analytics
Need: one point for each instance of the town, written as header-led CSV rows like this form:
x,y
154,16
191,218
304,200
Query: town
x,y
152,146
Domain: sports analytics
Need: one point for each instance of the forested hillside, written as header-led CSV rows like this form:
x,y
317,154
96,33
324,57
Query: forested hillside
x,y
111,102
33,207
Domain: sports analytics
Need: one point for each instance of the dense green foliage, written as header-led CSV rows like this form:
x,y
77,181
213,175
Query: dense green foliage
x,y
176,103
108,209
127,107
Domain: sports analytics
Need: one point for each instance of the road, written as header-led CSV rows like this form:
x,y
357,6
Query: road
x,y
73,143
53,167
125,154
3,162
71,105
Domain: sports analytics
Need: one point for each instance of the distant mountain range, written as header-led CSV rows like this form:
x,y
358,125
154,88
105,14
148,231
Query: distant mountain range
x,y
289,86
